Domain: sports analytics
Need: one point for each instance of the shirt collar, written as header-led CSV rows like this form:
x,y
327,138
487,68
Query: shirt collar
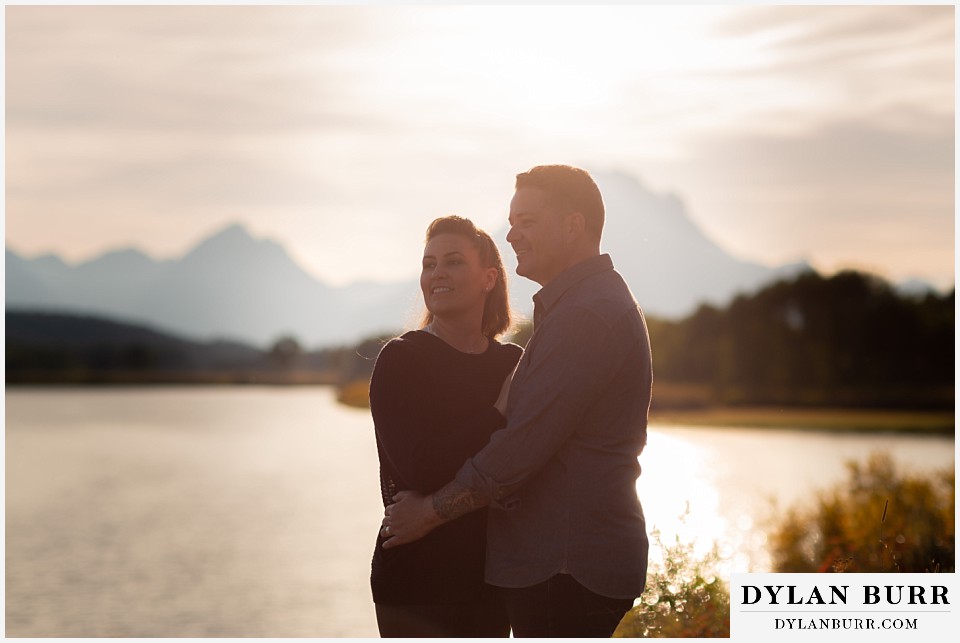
x,y
549,295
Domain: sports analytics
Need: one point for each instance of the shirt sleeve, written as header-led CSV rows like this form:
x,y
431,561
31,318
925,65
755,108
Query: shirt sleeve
x,y
422,457
574,360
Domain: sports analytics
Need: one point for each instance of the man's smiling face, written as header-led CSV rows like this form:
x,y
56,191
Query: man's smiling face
x,y
536,234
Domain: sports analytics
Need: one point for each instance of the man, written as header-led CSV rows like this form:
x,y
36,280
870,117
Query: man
x,y
566,533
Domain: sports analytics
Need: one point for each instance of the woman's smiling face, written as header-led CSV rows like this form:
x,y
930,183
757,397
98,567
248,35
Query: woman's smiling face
x,y
453,281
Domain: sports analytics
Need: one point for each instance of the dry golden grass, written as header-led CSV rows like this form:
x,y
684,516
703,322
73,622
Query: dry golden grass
x,y
810,418
356,394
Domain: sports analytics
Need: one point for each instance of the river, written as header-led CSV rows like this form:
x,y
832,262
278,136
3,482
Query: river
x,y
252,511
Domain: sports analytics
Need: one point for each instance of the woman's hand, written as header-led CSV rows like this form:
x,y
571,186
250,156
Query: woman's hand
x,y
501,403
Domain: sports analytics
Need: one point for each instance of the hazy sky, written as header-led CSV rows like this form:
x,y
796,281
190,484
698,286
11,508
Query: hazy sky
x,y
824,133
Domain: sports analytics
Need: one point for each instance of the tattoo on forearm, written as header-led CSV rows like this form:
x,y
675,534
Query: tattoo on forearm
x,y
455,500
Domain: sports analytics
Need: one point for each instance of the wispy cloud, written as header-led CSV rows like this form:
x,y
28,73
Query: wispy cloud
x,y
330,128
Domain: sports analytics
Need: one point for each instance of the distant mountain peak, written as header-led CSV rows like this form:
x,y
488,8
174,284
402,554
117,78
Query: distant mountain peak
x,y
235,229
914,287
233,233
235,238
623,191
46,258
621,176
120,256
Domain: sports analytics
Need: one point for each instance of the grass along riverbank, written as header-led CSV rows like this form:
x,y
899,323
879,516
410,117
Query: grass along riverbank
x,y
825,419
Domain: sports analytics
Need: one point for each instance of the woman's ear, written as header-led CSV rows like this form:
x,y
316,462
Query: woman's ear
x,y
490,279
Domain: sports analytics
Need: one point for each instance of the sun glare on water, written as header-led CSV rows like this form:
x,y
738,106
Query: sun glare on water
x,y
682,503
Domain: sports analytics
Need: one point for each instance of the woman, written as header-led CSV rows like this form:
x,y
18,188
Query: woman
x,y
432,397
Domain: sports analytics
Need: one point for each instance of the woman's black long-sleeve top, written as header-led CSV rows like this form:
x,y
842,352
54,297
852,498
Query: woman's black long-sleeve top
x,y
432,407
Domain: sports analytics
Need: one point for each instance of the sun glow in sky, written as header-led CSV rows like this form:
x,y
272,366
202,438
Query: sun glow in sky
x,y
824,133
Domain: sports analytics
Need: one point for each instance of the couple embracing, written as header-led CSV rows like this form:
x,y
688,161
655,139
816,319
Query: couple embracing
x,y
509,476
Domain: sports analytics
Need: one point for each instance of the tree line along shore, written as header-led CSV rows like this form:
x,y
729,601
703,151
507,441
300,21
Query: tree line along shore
x,y
841,352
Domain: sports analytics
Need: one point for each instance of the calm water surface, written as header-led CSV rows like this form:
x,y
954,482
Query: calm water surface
x,y
253,511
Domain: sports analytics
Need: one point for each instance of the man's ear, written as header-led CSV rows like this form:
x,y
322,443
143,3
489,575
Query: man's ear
x,y
576,224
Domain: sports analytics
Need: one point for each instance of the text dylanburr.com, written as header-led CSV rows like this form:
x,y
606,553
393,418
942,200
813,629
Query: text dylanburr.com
x,y
844,607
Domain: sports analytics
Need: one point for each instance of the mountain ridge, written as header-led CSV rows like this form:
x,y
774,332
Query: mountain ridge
x,y
232,285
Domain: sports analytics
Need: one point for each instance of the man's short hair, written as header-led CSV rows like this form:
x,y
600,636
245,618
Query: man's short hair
x,y
570,189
